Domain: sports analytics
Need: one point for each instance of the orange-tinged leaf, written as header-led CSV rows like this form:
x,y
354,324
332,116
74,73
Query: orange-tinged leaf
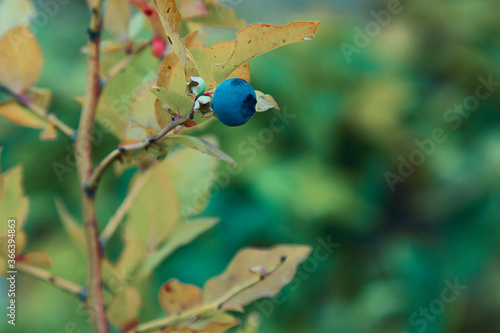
x,y
238,273
206,57
36,258
124,309
167,9
176,297
259,38
21,59
16,113
265,102
117,18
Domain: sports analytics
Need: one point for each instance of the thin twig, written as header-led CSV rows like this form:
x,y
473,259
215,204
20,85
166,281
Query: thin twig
x,y
120,213
123,63
41,274
83,149
203,309
42,113
99,170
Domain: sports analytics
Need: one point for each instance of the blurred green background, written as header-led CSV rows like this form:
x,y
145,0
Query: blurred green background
x,y
321,176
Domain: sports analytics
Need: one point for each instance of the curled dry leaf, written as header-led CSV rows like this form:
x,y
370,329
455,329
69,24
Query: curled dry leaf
x,y
265,102
259,38
239,272
176,297
21,59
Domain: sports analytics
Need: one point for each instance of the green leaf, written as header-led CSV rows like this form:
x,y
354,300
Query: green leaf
x,y
202,146
259,38
239,273
184,234
175,101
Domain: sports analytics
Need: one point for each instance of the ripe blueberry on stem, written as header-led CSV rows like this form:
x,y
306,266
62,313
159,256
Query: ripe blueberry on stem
x,y
234,102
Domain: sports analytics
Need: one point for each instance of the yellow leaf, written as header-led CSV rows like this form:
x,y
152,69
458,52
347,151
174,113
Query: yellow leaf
x,y
21,59
265,102
176,297
117,18
239,272
259,38
124,308
36,258
16,113
167,9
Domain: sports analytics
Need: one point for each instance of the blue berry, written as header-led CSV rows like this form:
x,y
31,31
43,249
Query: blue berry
x,y
234,102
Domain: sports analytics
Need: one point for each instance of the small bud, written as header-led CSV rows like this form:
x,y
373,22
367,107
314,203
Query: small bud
x,y
260,271
203,104
196,86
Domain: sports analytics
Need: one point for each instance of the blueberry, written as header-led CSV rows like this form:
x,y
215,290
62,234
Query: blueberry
x,y
234,102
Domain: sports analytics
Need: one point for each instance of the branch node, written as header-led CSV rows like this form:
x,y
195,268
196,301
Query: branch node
x,y
89,190
82,295
93,35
